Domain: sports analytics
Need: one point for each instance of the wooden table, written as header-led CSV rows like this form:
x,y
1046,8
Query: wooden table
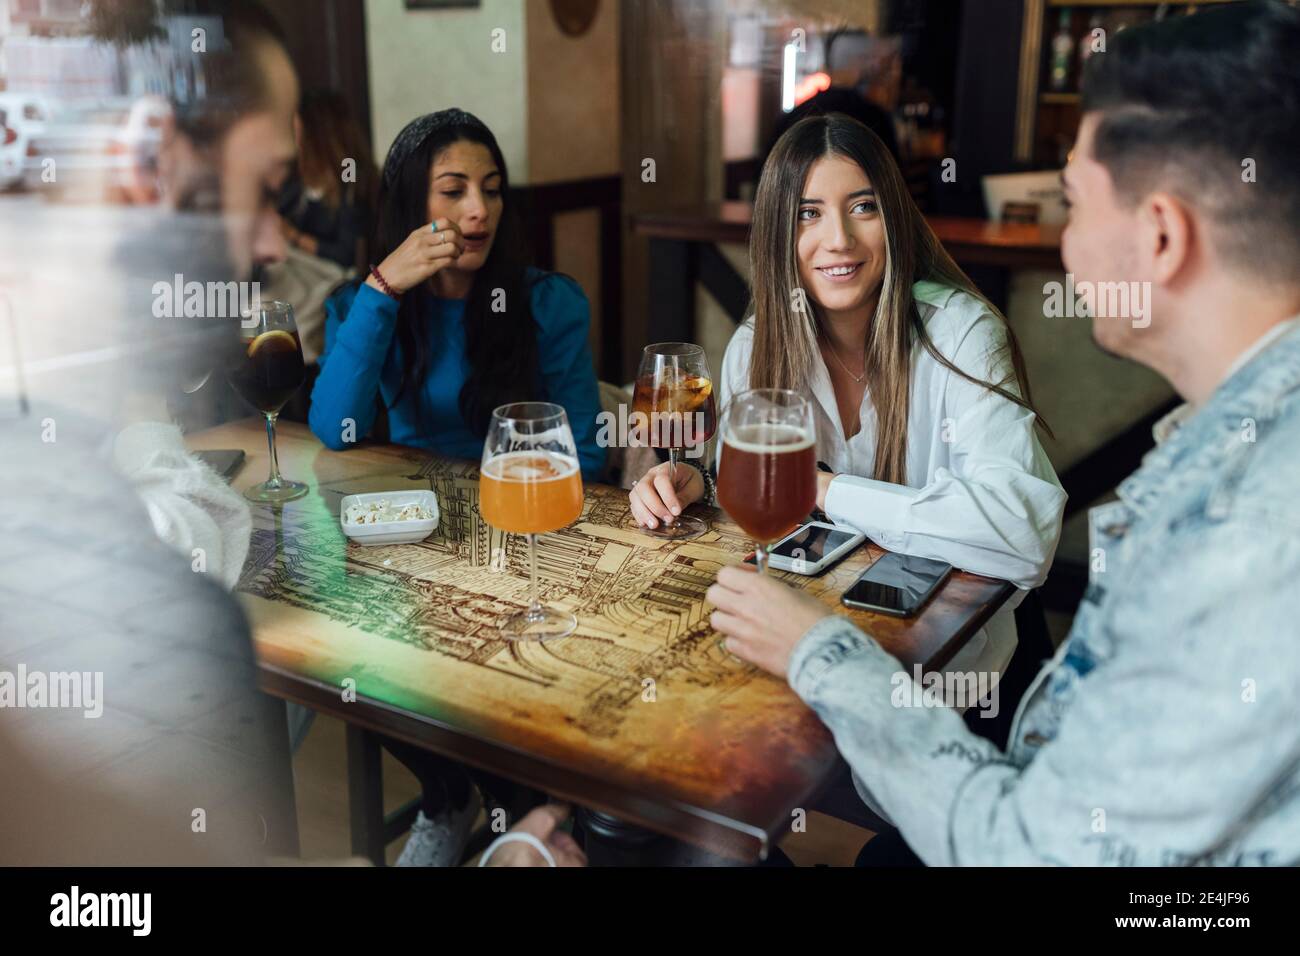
x,y
640,714
683,250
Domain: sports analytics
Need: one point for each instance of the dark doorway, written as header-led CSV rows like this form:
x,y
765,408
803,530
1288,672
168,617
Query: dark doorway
x,y
327,40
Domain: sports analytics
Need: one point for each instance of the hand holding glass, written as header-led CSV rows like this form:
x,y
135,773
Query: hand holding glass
x,y
674,394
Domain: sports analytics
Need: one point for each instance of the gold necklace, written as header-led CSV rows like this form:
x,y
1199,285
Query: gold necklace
x,y
835,353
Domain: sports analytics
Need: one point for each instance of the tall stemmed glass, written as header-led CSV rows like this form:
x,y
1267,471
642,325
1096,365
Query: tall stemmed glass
x,y
767,479
530,484
674,393
266,370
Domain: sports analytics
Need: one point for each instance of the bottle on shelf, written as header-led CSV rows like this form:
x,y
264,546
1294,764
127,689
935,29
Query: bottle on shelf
x,y
1062,50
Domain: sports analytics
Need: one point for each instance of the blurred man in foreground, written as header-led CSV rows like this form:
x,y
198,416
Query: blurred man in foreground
x,y
138,735
186,761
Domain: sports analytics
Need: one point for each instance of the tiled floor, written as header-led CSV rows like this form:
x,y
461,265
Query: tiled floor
x,y
320,780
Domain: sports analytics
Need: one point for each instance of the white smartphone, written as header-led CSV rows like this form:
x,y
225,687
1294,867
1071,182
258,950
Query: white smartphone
x,y
812,548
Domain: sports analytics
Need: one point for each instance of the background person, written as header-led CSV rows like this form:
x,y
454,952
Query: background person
x,y
452,322
328,205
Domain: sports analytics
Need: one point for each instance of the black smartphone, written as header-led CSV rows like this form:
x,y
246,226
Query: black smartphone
x,y
225,462
897,584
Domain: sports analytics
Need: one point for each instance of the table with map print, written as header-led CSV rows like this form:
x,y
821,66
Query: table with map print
x,y
640,714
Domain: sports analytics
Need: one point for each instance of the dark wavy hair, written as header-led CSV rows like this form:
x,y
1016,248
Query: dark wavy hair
x,y
501,346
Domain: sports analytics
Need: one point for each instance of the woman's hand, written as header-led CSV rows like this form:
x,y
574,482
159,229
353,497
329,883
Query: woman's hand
x,y
542,822
824,479
762,618
655,498
423,253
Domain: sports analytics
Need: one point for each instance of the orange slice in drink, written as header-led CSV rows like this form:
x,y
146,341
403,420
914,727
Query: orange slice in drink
x,y
277,340
696,392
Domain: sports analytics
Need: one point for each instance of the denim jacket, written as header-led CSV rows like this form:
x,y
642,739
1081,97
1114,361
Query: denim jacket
x,y
1166,728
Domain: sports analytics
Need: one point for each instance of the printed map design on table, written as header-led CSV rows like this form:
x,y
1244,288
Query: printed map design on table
x,y
639,599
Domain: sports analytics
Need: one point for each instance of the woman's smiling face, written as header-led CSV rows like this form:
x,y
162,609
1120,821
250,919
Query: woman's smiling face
x,y
840,239
465,187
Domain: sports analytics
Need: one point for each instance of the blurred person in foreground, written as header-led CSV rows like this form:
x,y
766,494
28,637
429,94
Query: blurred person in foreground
x,y
1182,660
158,748
140,736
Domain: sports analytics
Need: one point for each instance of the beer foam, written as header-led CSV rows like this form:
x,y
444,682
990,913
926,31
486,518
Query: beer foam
x,y
766,439
531,466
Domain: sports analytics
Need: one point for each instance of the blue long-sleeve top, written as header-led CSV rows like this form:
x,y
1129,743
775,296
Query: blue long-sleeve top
x,y
362,360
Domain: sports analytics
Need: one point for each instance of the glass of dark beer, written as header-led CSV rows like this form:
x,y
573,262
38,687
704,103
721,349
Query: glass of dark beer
x,y
266,369
767,478
675,409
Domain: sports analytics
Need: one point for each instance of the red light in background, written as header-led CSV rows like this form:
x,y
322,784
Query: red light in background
x,y
810,86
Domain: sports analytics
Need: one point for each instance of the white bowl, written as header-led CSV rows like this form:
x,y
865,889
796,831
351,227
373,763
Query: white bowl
x,y
390,532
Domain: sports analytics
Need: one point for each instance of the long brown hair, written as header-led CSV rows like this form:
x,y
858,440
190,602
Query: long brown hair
x,y
785,333
329,136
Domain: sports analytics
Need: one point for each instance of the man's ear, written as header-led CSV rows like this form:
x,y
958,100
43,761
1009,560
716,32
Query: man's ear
x,y
176,158
1167,236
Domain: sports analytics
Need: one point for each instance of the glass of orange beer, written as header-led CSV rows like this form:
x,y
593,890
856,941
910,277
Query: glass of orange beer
x,y
675,409
530,484
767,478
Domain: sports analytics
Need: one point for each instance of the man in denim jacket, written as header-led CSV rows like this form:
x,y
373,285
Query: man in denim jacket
x,y
1166,729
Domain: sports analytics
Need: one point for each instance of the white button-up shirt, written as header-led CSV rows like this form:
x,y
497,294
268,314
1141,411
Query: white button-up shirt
x,y
981,494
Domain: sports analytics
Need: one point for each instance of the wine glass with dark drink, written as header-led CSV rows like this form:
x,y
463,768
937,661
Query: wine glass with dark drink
x,y
673,401
767,478
266,369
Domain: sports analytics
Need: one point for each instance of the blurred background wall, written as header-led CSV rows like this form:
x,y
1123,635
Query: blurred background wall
x,y
426,60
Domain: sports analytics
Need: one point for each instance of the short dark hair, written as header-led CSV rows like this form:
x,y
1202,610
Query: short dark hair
x,y
235,77
223,83
1185,103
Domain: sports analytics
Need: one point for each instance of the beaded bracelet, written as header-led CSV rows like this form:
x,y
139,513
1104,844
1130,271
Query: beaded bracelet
x,y
710,485
388,289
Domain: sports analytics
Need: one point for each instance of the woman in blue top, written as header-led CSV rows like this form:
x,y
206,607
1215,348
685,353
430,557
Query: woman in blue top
x,y
452,322
449,325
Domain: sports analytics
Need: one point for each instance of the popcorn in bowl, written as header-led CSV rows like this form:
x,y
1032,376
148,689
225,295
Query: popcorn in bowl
x,y
389,517
383,511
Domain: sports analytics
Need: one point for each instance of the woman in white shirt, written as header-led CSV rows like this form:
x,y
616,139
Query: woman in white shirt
x,y
923,408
